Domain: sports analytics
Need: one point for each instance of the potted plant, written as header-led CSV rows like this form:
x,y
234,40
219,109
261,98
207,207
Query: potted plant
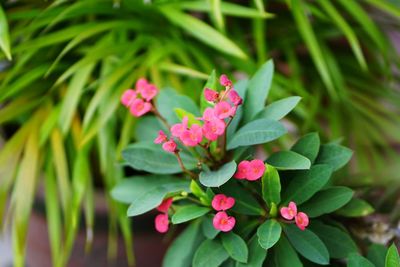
x,y
206,168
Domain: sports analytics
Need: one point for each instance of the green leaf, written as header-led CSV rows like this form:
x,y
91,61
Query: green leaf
x,y
285,255
289,160
269,233
308,146
146,156
338,242
147,129
392,257
235,246
187,213
168,98
245,203
208,228
327,201
257,254
211,84
356,260
202,32
377,254
4,35
257,132
278,109
334,155
356,208
306,183
271,186
210,253
180,113
307,244
218,177
180,252
258,89
147,192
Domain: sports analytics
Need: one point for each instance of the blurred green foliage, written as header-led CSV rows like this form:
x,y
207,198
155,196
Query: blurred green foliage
x,y
71,60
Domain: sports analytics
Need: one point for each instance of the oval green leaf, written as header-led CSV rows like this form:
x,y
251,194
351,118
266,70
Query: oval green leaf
x,y
235,246
269,233
257,254
208,228
307,244
356,260
278,109
188,213
334,155
271,186
392,257
257,132
308,146
356,208
285,255
218,177
327,201
289,160
210,253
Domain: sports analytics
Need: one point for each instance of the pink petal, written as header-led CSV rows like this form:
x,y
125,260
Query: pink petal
x,y
224,80
223,222
209,114
139,107
293,207
255,170
223,110
161,223
140,84
235,98
285,213
231,221
161,138
302,220
241,172
149,92
127,97
170,146
164,206
210,95
221,202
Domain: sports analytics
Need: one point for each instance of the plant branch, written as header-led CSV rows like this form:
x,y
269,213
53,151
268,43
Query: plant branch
x,y
190,173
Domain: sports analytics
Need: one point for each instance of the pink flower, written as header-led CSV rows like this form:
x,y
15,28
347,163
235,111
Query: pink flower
x,y
162,223
235,98
241,172
161,138
179,128
213,129
289,212
209,114
127,97
169,146
302,220
164,206
224,81
149,92
193,136
223,222
255,170
221,202
140,84
210,95
224,110
139,107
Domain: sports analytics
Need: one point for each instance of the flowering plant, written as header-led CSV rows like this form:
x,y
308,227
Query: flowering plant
x,y
208,168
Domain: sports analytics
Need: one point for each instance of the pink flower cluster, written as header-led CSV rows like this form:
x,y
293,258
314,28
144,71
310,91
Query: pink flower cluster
x,y
213,118
169,145
139,100
250,170
300,218
161,221
222,221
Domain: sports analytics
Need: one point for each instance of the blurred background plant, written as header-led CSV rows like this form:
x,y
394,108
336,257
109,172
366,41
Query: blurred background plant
x,y
66,63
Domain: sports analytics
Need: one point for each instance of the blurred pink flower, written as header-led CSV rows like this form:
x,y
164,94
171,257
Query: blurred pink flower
x,y
161,138
255,170
302,220
162,223
127,97
223,222
241,172
179,128
289,212
221,202
139,107
224,80
164,206
192,136
210,95
169,146
213,129
224,110
235,98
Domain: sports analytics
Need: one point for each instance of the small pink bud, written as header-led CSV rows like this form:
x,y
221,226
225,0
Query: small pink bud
x,y
302,220
127,97
224,110
193,136
139,107
224,81
210,95
213,129
179,128
169,146
162,223
161,138
241,172
223,222
235,98
255,170
164,206
221,202
289,212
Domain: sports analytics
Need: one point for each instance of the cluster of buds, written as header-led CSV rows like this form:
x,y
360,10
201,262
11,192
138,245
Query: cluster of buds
x,y
213,118
289,213
222,221
161,221
139,100
250,170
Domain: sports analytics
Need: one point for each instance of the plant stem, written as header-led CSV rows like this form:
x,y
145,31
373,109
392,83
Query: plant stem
x,y
208,153
224,140
190,173
158,115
